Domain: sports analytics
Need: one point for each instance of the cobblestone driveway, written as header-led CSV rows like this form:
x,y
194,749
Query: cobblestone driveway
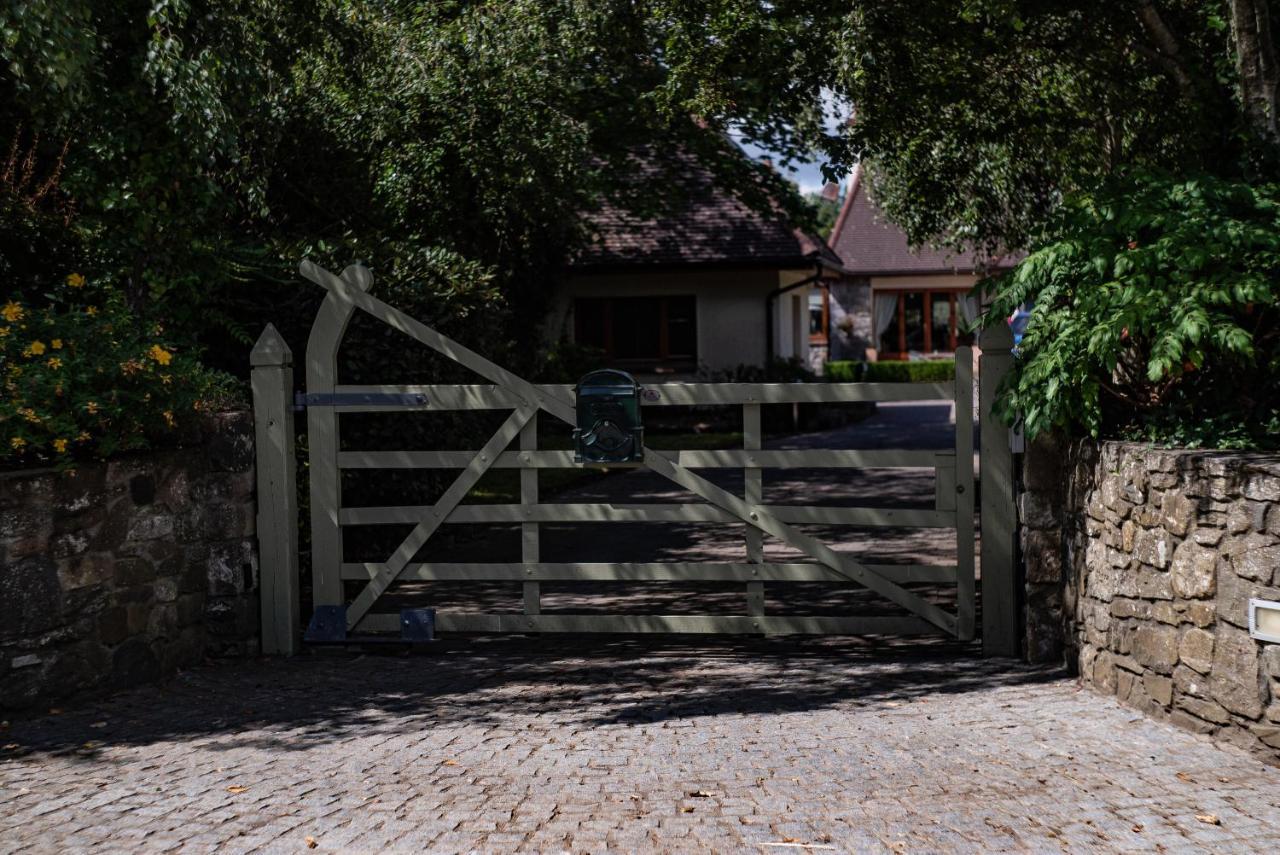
x,y
595,745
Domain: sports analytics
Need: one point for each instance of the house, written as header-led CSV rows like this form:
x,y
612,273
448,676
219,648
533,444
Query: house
x,y
706,287
892,301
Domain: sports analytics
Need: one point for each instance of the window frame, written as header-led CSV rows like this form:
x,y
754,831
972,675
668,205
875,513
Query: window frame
x,y
952,296
664,359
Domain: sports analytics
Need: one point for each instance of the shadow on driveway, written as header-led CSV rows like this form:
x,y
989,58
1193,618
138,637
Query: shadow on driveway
x,y
583,681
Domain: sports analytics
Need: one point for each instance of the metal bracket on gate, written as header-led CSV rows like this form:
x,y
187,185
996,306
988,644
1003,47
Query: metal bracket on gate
x,y
418,625
329,626
303,400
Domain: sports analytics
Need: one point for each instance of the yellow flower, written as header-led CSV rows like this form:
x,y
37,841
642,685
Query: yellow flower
x,y
83,436
159,354
12,312
56,344
17,442
91,310
54,363
91,407
30,415
168,418
4,331
60,446
75,280
35,348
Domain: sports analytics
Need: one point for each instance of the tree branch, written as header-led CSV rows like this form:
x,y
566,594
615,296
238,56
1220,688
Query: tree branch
x,y
1166,53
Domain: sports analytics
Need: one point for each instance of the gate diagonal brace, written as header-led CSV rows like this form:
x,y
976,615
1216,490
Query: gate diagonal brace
x,y
457,491
329,626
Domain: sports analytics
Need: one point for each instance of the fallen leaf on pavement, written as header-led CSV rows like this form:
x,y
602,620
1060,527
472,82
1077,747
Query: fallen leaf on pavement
x,y
1185,778
701,794
450,763
1137,827
237,789
1209,818
311,842
686,809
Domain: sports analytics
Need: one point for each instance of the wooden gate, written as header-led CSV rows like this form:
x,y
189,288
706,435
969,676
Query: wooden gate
x,y
327,400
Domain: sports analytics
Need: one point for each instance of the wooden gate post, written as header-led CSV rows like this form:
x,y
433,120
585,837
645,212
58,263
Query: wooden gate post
x,y
272,363
1000,630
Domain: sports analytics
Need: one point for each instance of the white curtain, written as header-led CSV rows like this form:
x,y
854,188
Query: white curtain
x,y
886,308
969,311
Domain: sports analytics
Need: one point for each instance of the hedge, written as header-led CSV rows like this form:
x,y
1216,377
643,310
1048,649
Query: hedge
x,y
930,371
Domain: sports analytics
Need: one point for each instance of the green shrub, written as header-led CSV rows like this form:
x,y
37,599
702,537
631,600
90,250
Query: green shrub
x,y
891,371
84,376
1155,316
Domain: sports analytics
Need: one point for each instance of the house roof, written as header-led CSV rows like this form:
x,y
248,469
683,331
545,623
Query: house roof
x,y
869,244
710,227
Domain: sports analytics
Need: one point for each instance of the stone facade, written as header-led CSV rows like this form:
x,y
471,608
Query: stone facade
x,y
117,574
1140,564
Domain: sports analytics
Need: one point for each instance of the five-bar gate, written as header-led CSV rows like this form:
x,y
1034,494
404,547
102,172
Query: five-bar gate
x,y
350,292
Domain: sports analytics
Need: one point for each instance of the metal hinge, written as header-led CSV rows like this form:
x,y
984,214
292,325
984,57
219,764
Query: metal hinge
x,y
303,400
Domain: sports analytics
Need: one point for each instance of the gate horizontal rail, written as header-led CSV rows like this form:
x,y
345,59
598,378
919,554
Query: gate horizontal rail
x,y
671,512
661,571
729,458
693,624
484,397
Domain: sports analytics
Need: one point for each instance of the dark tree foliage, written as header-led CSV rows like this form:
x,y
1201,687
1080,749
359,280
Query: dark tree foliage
x,y
453,146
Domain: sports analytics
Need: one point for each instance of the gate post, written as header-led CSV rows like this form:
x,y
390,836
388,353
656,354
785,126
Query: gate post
x,y
1000,632
272,382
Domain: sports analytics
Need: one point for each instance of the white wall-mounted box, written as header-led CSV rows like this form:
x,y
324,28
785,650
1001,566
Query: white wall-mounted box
x,y
1264,620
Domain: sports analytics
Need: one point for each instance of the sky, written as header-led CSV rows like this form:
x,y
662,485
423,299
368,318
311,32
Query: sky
x,y
807,176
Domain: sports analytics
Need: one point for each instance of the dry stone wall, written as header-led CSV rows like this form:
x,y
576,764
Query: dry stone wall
x,y
117,574
1140,564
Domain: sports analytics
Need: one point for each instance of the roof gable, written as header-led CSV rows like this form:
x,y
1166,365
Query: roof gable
x,y
710,226
869,244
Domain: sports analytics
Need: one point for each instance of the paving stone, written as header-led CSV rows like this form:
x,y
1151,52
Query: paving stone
x,y
599,746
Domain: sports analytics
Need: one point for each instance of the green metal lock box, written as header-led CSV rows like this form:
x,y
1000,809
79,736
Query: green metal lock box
x,y
609,428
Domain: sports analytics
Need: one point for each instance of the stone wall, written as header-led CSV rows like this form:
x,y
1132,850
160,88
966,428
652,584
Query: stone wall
x,y
117,574
1140,564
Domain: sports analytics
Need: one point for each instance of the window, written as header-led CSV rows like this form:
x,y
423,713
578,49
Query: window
x,y
922,322
819,314
637,330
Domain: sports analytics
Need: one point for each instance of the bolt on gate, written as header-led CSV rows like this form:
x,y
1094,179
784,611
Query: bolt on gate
x,y
505,391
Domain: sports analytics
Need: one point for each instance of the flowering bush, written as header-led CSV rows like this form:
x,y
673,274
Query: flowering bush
x,y
84,376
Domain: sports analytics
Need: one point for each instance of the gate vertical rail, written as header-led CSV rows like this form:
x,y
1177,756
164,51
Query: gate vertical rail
x,y
530,534
753,493
272,381
965,582
322,439
1000,615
